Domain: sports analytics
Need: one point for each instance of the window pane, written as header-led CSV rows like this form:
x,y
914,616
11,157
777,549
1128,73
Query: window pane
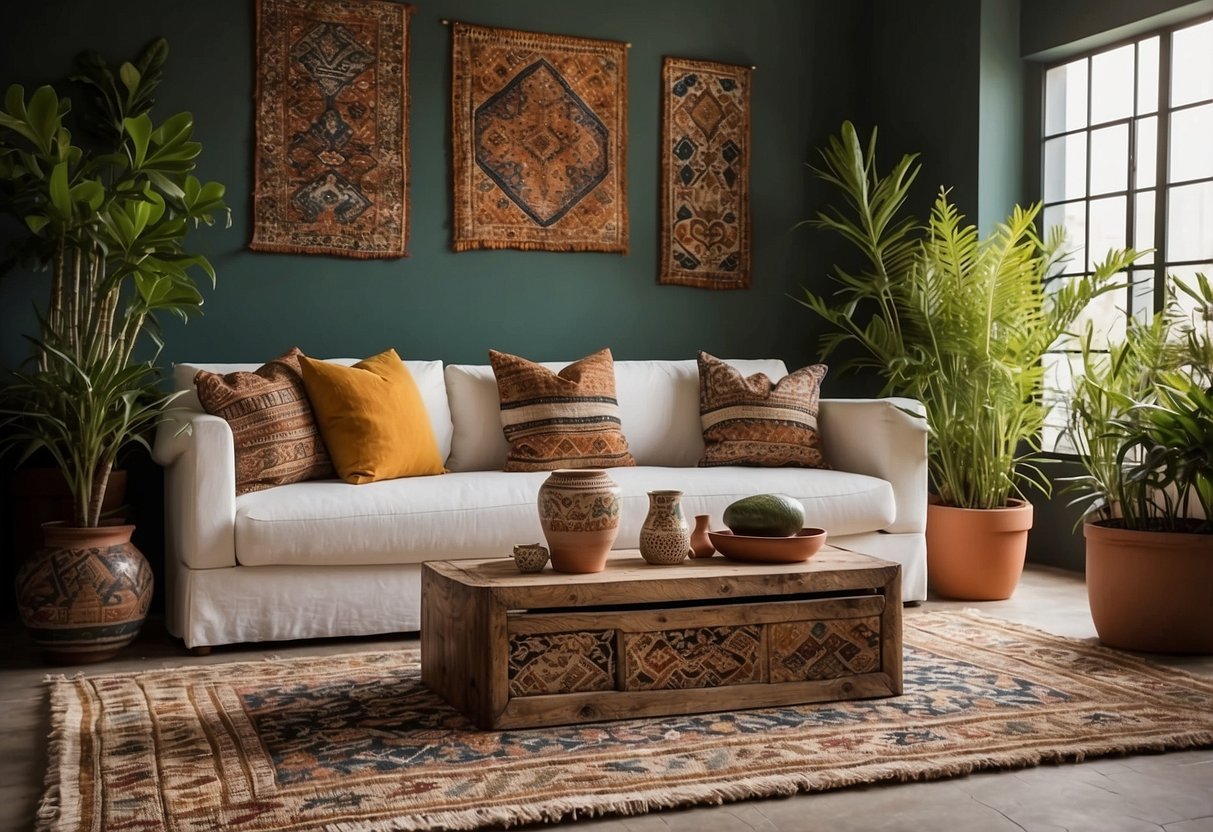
x,y
1059,370
1066,168
1072,217
1112,85
1109,159
1106,227
1190,222
1143,221
1106,315
1192,144
1192,64
1147,76
1143,295
1066,97
1146,160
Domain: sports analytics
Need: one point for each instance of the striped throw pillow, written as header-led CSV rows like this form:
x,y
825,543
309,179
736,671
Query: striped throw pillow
x,y
750,421
553,420
274,431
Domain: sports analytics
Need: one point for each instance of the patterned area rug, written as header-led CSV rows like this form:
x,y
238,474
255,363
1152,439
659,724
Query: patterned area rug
x,y
705,174
539,126
331,165
356,743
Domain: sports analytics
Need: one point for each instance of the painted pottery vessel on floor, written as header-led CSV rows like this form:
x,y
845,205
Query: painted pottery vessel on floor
x,y
579,513
665,537
977,554
84,595
701,544
1150,591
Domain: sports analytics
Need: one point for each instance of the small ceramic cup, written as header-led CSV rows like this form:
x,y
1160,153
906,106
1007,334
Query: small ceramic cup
x,y
530,557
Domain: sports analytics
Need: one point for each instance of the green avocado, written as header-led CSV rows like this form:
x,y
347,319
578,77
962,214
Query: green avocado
x,y
765,515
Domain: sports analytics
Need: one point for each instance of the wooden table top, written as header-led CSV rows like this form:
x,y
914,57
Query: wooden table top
x,y
628,578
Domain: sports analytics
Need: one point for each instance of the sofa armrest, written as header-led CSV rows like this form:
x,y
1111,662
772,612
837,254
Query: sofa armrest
x,y
197,452
878,437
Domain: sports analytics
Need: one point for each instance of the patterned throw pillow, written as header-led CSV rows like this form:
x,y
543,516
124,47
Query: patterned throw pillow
x,y
553,420
274,430
749,421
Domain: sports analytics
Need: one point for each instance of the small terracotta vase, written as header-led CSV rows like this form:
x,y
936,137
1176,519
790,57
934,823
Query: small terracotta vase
x,y
85,594
1150,591
665,537
977,554
579,513
701,544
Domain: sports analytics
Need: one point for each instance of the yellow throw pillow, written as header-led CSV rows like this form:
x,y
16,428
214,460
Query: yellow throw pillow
x,y
372,418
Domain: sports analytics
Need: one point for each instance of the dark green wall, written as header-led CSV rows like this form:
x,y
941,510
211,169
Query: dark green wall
x,y
1051,29
437,304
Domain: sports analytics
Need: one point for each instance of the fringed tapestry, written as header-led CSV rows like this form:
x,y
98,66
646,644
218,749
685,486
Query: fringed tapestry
x,y
331,167
539,141
705,174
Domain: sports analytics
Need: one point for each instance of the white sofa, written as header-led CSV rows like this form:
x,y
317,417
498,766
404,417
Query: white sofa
x,y
325,558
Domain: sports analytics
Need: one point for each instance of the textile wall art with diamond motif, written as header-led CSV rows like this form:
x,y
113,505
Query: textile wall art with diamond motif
x,y
705,174
331,166
539,141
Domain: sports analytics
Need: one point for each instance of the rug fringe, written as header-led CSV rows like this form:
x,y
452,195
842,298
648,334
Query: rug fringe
x,y
54,812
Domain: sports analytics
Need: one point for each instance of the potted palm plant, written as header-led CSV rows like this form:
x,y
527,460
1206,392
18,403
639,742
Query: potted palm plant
x,y
1141,419
108,222
960,323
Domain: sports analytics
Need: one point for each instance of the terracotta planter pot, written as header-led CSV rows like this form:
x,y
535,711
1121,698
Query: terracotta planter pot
x,y
579,513
85,594
977,554
1151,591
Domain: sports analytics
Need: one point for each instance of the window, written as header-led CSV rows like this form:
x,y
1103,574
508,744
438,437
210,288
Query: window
x,y
1127,159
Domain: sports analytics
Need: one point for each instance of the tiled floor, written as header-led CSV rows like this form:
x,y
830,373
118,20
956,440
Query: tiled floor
x,y
1173,791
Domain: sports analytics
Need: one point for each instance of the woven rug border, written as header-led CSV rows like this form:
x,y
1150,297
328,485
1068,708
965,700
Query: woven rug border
x,y
53,816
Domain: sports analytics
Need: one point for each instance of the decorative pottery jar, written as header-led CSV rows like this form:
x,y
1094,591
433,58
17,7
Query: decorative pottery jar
x,y
579,512
84,595
665,537
530,557
701,544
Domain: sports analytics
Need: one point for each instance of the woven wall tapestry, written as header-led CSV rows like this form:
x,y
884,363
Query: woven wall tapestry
x,y
331,167
539,141
705,174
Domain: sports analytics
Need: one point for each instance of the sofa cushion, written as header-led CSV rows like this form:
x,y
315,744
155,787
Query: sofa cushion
x,y
274,432
750,420
565,419
658,409
427,375
372,418
481,513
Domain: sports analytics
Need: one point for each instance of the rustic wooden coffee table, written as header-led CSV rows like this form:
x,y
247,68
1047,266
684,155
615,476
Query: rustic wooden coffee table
x,y
512,650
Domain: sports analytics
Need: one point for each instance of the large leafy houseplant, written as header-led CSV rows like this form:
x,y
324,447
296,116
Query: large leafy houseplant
x,y
108,220
1141,419
959,322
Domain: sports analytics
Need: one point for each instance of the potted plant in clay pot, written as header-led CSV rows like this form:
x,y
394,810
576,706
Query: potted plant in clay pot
x,y
108,222
960,323
1141,419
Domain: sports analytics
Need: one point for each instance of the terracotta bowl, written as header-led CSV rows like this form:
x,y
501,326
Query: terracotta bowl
x,y
795,549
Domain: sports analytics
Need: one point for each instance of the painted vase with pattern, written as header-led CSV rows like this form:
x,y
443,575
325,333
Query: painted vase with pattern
x,y
84,595
665,537
579,513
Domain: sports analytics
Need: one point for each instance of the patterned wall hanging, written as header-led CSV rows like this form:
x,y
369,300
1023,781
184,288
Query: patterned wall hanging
x,y
539,141
705,174
331,167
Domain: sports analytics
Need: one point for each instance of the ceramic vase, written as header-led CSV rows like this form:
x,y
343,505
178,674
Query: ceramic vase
x,y
701,544
84,595
665,537
579,513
